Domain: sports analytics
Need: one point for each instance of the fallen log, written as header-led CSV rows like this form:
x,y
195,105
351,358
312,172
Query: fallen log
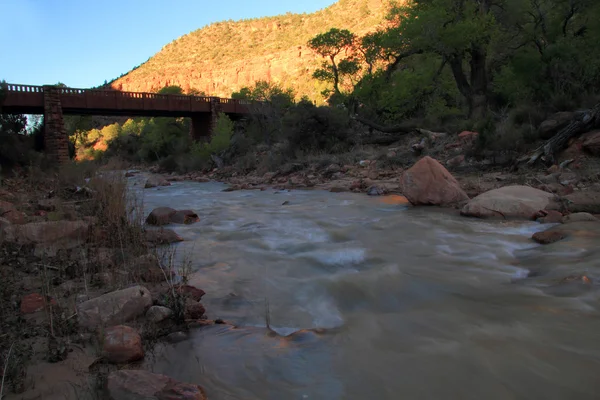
x,y
403,128
583,122
396,132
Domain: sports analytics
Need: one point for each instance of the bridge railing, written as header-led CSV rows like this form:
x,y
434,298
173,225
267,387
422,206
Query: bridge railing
x,y
24,88
75,98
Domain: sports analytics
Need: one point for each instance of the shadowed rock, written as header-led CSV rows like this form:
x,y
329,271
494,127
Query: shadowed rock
x,y
509,202
548,237
160,216
155,181
184,217
579,217
114,308
144,385
122,344
162,236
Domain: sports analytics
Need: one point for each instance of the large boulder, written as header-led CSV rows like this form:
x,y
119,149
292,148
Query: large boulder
x,y
518,202
148,269
114,308
586,202
160,216
548,237
591,143
58,234
429,183
550,217
579,217
122,344
158,313
162,236
193,309
128,384
554,123
190,291
184,217
581,230
167,215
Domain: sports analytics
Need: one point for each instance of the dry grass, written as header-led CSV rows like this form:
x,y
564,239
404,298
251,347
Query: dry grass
x,y
116,239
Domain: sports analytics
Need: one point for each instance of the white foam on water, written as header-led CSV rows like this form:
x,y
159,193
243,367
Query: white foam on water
x,y
523,229
348,256
281,234
322,308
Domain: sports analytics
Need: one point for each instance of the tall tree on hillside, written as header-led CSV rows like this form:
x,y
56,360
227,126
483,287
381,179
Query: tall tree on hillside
x,y
330,45
461,32
372,49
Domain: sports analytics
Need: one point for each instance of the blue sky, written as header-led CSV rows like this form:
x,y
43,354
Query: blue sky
x,y
83,42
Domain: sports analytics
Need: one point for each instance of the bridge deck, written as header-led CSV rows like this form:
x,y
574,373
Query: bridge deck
x,y
28,99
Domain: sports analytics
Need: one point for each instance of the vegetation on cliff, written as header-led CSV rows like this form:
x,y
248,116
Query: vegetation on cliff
x,y
226,56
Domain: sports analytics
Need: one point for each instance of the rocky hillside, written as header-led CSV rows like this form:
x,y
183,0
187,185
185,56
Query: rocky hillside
x,y
225,56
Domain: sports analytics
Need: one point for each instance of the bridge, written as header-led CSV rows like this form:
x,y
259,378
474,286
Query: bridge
x,y
54,101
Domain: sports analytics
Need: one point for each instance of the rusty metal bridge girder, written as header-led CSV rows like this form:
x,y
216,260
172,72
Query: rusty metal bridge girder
x,y
29,99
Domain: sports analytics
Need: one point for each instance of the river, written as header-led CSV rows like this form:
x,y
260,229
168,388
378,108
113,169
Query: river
x,y
415,303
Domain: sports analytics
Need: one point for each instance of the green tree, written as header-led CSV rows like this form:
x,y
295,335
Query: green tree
x,y
330,45
460,32
173,89
372,49
266,92
110,132
273,101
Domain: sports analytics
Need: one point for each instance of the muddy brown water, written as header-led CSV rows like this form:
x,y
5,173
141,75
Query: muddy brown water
x,y
415,303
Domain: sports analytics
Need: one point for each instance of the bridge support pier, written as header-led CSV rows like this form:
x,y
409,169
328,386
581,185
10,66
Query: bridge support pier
x,y
56,141
203,125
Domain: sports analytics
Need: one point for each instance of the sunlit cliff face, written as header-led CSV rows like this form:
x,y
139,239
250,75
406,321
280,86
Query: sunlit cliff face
x,y
226,56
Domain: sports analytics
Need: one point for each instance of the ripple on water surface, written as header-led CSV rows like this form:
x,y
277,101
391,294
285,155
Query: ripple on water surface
x,y
423,302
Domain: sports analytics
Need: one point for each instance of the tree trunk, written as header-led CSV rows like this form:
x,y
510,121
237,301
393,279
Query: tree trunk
x,y
396,132
336,76
404,128
474,90
479,83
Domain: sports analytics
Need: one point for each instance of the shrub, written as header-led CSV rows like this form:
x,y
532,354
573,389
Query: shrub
x,y
308,127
